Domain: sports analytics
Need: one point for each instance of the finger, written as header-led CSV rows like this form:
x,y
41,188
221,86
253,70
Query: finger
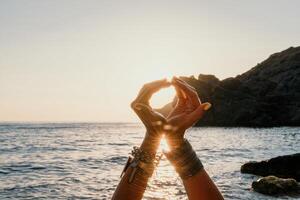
x,y
149,115
174,102
144,116
155,85
165,110
194,100
179,92
185,83
176,119
150,88
190,93
189,90
198,113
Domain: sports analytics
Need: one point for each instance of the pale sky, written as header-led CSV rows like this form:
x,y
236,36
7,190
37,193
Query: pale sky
x,y
71,60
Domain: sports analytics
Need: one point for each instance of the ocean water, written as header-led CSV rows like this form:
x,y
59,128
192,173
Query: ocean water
x,y
84,160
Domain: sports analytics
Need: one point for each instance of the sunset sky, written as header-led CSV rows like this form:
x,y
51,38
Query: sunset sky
x,y
71,60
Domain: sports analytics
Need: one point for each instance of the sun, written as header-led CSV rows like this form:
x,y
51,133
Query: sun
x,y
163,145
163,97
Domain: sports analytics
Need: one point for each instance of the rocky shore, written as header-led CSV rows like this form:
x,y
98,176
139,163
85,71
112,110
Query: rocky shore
x,y
265,96
268,95
287,166
272,185
281,175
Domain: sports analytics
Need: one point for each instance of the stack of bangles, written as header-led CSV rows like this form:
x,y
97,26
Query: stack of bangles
x,y
183,158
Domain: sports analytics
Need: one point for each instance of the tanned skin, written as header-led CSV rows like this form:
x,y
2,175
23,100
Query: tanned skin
x,y
186,112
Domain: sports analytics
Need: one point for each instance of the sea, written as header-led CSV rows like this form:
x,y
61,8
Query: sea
x,y
84,160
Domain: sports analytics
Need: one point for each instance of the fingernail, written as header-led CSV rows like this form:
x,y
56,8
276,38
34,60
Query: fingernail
x,y
207,106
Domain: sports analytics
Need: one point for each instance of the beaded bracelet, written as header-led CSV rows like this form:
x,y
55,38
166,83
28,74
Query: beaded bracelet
x,y
142,162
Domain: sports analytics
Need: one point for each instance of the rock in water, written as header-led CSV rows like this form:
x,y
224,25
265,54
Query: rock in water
x,y
272,185
266,95
287,166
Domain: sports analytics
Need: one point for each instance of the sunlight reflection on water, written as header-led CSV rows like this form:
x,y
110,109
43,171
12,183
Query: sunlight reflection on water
x,y
83,160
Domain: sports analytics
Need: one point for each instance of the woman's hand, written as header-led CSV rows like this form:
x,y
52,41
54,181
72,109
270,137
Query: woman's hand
x,y
135,178
153,120
187,111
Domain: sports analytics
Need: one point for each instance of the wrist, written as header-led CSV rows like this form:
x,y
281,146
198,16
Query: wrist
x,y
185,160
174,142
150,143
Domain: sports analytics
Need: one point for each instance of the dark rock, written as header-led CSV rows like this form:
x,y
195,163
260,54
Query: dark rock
x,y
209,79
266,95
272,185
283,166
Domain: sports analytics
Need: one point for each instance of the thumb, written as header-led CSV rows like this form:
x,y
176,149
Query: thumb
x,y
199,112
147,112
142,108
206,106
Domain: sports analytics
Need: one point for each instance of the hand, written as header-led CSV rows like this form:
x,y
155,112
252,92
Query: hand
x,y
153,120
187,111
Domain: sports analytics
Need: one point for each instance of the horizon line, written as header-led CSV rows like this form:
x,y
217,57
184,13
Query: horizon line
x,y
48,121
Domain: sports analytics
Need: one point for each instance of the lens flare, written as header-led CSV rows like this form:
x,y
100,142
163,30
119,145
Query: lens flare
x,y
164,145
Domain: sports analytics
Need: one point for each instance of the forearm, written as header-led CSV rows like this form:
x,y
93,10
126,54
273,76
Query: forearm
x,y
133,190
150,144
196,181
200,186
134,181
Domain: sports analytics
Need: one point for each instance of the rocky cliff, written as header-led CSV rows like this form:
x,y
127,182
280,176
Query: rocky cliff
x,y
266,95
